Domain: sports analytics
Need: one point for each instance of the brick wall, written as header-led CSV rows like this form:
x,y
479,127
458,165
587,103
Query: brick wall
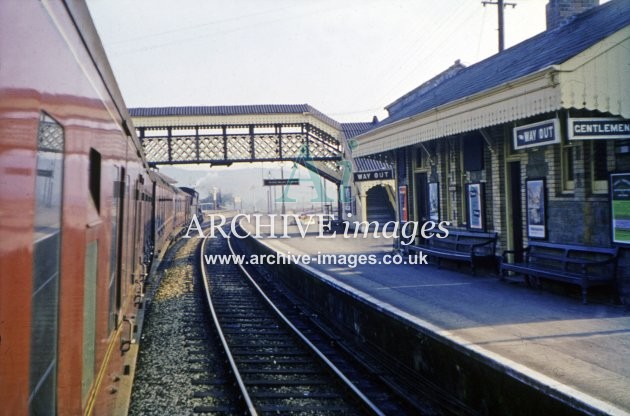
x,y
560,10
580,215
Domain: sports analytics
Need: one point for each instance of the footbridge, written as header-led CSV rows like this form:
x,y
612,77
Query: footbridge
x,y
222,135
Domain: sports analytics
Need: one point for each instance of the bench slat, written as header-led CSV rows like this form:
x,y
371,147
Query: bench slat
x,y
585,266
460,245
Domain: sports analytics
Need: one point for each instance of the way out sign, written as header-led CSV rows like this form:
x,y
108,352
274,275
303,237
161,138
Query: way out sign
x,y
537,134
374,175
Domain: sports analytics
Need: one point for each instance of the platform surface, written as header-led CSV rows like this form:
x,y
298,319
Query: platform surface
x,y
582,350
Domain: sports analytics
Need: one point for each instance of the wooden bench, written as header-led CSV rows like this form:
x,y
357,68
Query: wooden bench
x,y
460,245
585,266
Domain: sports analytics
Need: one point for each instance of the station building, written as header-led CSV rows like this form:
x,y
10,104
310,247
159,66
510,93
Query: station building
x,y
531,143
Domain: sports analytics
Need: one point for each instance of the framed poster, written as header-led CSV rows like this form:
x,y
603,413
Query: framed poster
x,y
347,201
402,203
476,210
536,208
434,201
620,207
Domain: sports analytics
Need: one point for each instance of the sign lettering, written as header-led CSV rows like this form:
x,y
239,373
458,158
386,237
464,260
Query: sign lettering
x,y
374,175
598,128
537,134
281,182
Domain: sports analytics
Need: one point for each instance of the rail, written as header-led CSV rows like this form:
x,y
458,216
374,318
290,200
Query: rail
x,y
368,406
239,379
367,403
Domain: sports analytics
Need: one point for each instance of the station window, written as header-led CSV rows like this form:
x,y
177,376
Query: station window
x,y
567,161
420,158
472,152
599,166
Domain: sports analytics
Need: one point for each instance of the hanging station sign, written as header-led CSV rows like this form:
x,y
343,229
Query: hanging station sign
x,y
537,134
598,128
281,182
373,175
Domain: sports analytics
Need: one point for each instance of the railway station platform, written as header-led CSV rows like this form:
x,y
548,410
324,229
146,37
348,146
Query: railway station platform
x,y
579,353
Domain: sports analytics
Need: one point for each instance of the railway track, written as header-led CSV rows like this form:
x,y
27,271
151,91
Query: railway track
x,y
256,362
278,370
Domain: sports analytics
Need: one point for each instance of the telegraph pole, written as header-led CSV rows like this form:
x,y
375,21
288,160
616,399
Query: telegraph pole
x,y
501,6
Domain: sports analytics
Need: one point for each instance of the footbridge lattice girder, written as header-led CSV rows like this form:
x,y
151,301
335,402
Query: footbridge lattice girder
x,y
225,144
223,135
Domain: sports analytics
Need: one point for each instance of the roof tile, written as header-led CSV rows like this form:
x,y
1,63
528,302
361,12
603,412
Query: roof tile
x,y
548,48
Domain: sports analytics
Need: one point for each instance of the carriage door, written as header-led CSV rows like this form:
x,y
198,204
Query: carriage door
x,y
115,261
137,228
42,398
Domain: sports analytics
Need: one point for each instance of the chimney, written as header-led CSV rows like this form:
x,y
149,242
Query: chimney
x,y
558,11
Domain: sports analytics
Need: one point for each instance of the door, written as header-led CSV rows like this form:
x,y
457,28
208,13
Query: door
x,y
515,211
422,205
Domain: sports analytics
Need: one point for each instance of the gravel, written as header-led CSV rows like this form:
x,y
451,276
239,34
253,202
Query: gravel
x,y
162,383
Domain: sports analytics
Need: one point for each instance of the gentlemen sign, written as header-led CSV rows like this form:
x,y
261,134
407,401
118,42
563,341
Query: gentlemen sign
x,y
373,175
598,128
537,134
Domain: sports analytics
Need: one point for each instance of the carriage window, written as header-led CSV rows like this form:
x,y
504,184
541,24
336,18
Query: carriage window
x,y
46,267
95,178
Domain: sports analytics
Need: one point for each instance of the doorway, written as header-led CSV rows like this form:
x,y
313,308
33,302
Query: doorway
x,y
379,207
422,205
515,211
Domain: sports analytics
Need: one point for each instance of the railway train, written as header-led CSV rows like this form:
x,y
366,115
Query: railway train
x,y
82,216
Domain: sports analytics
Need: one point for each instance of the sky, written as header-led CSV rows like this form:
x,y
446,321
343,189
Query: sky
x,y
347,58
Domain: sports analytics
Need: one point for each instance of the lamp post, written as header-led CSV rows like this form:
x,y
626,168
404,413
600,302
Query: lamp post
x,y
283,187
215,190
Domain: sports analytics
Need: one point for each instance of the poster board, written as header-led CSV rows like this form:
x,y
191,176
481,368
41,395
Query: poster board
x,y
434,201
620,207
536,208
475,214
402,204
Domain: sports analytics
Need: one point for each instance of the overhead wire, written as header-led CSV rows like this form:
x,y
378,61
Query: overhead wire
x,y
204,37
413,53
195,27
420,58
481,29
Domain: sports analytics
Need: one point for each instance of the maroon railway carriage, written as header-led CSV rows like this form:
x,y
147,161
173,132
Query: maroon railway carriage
x,y
77,223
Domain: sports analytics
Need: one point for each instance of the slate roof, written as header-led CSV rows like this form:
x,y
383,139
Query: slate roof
x,y
401,102
365,164
351,130
232,110
548,48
